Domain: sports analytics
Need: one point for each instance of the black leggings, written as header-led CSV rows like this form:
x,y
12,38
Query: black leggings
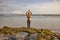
x,y
28,23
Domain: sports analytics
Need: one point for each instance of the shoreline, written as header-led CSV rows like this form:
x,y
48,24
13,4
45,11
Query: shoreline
x,y
9,31
32,14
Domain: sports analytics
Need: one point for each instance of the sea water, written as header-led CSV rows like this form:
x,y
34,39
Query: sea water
x,y
40,22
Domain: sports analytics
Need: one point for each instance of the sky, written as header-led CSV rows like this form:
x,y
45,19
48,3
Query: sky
x,y
36,6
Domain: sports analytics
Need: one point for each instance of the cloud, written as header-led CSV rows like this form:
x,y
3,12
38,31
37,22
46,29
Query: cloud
x,y
1,1
45,8
17,11
49,7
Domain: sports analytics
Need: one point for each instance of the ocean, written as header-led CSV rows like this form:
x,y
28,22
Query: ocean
x,y
39,22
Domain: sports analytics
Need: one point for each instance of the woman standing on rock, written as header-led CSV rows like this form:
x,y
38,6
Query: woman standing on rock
x,y
28,14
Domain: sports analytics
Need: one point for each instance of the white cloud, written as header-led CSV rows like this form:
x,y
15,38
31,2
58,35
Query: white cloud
x,y
45,8
17,11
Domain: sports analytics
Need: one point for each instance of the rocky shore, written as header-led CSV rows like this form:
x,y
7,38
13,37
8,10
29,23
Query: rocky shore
x,y
8,33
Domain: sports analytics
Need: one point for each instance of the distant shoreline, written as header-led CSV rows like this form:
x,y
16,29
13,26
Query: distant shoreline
x,y
32,14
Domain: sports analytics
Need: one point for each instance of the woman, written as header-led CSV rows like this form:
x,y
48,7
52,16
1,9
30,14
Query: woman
x,y
28,14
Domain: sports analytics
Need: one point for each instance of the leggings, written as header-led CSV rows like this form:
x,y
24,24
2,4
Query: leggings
x,y
28,23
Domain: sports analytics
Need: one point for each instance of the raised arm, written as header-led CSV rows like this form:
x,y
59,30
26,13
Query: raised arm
x,y
28,13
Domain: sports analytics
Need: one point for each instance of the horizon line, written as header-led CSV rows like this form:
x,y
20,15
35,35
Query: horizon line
x,y
33,14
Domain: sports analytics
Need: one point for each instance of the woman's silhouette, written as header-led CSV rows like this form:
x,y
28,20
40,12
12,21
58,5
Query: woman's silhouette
x,y
28,14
